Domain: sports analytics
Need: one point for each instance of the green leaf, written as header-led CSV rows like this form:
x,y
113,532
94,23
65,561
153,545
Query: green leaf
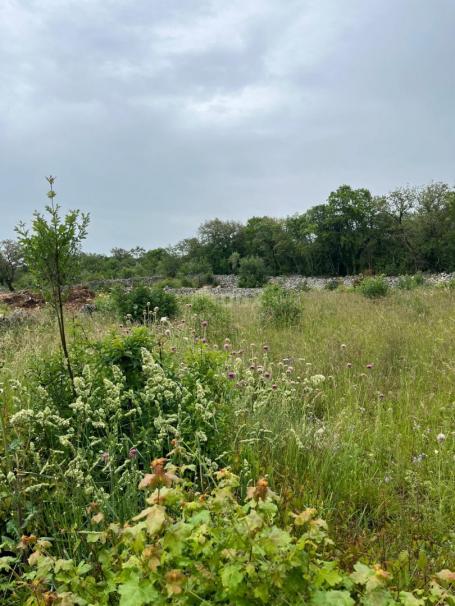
x,y
96,537
408,599
63,565
379,597
328,574
6,561
133,592
231,576
332,598
362,573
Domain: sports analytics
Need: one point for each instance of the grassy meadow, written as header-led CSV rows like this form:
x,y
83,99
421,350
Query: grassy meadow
x,y
348,408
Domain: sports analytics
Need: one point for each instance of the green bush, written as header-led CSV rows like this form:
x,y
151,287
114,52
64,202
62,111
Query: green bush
x,y
105,303
411,282
189,549
144,304
196,273
126,353
252,272
208,316
279,306
374,287
71,451
332,284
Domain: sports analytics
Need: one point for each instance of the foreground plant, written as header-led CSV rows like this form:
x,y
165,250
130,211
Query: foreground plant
x,y
190,548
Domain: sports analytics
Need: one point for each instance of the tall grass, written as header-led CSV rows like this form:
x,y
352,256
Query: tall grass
x,y
377,448
374,447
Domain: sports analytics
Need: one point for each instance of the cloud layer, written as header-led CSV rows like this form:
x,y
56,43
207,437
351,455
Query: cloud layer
x,y
158,114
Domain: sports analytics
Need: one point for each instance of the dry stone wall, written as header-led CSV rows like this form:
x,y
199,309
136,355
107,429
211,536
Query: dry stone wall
x,y
227,284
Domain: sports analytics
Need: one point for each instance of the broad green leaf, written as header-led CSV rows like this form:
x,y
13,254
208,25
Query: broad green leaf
x,y
408,599
231,576
332,598
133,592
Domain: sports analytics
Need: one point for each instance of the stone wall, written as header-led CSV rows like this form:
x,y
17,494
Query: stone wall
x,y
227,284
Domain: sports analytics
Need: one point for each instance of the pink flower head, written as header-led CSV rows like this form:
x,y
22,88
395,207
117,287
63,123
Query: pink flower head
x,y
231,375
133,452
267,375
227,346
204,323
370,366
105,456
274,386
265,347
349,365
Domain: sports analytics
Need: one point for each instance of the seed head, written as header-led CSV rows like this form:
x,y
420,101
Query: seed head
x,y
133,452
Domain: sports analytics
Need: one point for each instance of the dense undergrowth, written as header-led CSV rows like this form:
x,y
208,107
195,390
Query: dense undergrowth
x,y
344,404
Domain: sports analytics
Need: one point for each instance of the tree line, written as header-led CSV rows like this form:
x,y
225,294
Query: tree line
x,y
408,230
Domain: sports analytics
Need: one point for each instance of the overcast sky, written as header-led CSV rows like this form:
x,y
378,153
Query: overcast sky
x,y
156,115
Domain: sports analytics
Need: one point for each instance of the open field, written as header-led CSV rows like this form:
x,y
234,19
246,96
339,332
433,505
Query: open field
x,y
350,409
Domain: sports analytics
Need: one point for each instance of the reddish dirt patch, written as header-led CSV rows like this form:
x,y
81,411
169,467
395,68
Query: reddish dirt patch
x,y
26,299
80,296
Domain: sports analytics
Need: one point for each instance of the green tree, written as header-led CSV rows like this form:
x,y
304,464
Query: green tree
x,y
252,272
220,239
435,226
51,249
267,238
11,260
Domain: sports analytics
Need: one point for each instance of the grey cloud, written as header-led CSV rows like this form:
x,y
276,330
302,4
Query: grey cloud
x,y
158,114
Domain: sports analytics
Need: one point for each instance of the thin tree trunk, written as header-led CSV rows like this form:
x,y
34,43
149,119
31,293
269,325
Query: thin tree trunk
x,y
61,322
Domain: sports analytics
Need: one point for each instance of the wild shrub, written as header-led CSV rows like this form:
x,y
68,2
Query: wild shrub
x,y
126,353
374,287
197,273
131,406
105,303
279,306
411,282
207,316
144,304
252,272
332,284
187,548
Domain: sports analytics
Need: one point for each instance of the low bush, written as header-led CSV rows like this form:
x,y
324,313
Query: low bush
x,y
252,272
105,303
188,548
332,284
208,317
374,287
144,304
196,273
279,306
411,282
131,405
